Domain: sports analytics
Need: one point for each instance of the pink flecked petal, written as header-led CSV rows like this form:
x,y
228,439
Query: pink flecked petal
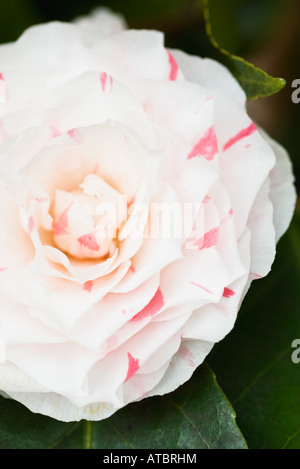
x,y
108,317
133,366
206,147
103,79
173,67
254,276
282,190
153,307
89,241
241,134
253,168
187,356
201,286
193,278
55,131
209,240
209,74
87,286
75,135
60,227
40,200
2,89
227,293
31,224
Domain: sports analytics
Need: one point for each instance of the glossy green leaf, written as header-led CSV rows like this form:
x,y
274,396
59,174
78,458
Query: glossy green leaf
x,y
254,363
197,415
255,82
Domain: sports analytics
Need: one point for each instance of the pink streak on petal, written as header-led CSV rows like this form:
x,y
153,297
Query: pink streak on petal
x,y
254,276
174,67
111,81
60,227
88,285
201,286
145,106
89,241
123,311
153,307
227,293
133,366
230,213
242,134
209,240
96,168
2,269
75,135
2,89
132,269
41,199
187,356
31,224
103,80
206,147
55,132
211,237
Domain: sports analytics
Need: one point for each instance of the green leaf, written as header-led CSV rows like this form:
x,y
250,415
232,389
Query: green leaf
x,y
197,415
255,82
254,363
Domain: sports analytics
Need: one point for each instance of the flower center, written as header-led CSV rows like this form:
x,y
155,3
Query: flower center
x,y
87,219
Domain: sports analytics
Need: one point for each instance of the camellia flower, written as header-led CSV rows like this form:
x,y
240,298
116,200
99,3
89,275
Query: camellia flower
x,y
138,202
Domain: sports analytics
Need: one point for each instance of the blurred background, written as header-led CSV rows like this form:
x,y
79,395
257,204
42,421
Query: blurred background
x,y
253,364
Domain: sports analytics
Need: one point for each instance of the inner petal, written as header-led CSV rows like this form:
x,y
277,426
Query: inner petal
x,y
87,219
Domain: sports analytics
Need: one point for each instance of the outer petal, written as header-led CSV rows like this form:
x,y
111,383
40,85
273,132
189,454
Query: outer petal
x,y
282,190
18,327
210,74
103,21
213,322
260,222
184,362
61,408
16,250
245,157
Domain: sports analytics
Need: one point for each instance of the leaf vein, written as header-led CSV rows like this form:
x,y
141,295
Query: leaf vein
x,y
290,438
190,422
120,434
260,374
64,435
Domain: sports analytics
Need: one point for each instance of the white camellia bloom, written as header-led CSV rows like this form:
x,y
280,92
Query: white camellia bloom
x,y
138,202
